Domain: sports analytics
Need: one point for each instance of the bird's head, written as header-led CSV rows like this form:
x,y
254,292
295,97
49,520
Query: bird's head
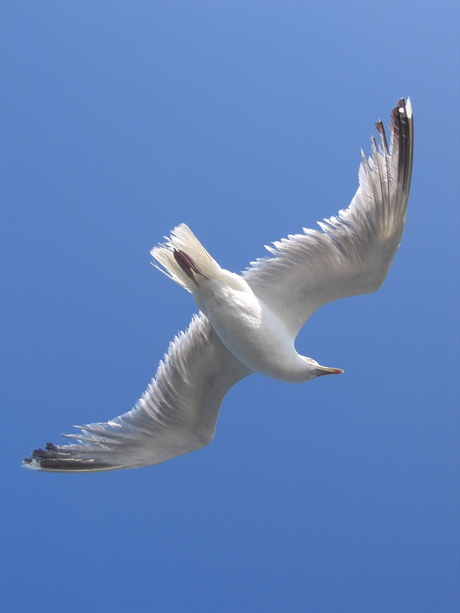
x,y
316,370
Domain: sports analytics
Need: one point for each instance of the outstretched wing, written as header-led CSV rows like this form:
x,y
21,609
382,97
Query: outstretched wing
x,y
176,414
353,252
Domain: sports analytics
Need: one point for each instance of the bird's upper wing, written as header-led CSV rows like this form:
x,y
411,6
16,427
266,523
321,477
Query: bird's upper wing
x,y
176,414
353,252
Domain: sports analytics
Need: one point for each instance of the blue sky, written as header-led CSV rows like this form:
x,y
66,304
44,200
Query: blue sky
x,y
244,120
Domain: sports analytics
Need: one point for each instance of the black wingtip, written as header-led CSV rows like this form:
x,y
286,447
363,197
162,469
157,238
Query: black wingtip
x,y
62,459
381,130
403,127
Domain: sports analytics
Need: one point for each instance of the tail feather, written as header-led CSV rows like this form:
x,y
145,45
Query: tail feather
x,y
183,239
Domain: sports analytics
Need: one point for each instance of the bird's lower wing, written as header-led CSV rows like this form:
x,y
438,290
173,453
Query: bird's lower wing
x,y
176,414
353,251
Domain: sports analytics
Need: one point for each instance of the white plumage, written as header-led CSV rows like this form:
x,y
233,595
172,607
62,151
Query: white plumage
x,y
248,323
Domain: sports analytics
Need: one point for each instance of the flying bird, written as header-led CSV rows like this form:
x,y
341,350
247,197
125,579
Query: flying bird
x,y
249,322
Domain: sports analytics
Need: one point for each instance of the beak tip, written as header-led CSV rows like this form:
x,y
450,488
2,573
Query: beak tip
x,y
324,370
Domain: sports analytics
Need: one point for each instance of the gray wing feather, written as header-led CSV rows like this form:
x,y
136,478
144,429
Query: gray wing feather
x,y
176,414
353,251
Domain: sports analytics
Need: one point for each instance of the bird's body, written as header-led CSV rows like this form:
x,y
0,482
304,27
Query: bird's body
x,y
248,326
248,323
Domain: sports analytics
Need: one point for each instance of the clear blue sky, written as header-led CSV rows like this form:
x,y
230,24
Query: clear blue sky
x,y
243,119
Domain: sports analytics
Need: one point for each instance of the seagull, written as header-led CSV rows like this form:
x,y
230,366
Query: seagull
x,y
249,322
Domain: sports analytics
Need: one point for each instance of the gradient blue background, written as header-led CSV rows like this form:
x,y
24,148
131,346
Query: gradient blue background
x,y
243,119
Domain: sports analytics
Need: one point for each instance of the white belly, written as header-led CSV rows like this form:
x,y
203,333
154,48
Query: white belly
x,y
249,329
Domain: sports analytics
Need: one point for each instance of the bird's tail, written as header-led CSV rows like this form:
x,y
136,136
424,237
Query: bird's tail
x,y
183,240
